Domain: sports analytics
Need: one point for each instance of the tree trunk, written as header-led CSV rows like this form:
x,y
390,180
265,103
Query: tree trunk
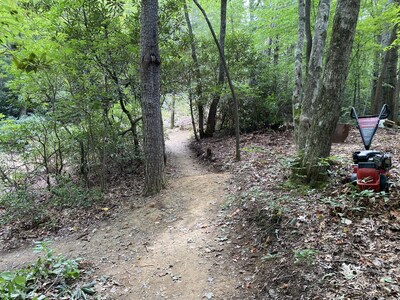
x,y
388,76
314,73
308,32
329,100
390,80
375,75
228,77
385,91
197,73
396,100
191,108
172,125
212,113
386,85
153,136
298,68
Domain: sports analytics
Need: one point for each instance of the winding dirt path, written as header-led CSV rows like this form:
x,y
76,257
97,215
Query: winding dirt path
x,y
169,247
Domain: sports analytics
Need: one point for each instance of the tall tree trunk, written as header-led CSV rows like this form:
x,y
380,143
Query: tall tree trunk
x,y
329,100
197,74
308,32
253,27
386,85
396,100
298,68
375,74
172,125
390,80
228,77
191,108
314,72
153,136
212,113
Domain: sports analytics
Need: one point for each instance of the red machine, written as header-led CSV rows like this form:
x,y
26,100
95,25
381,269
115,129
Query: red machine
x,y
370,166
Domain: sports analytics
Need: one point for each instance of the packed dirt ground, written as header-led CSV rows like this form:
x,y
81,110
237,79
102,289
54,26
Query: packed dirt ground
x,y
238,230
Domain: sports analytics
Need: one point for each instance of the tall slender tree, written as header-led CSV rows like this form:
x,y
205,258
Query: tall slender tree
x,y
212,113
153,136
228,77
197,73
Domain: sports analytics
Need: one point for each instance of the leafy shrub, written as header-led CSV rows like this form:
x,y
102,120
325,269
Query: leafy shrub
x,y
30,207
68,193
20,206
50,277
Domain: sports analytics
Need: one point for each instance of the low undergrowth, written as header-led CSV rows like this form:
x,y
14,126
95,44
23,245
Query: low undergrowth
x,y
32,207
50,277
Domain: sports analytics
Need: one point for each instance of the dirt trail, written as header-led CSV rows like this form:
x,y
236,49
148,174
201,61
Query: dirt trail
x,y
167,247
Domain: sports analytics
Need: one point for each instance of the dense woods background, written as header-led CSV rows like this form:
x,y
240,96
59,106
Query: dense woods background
x,y
70,88
87,89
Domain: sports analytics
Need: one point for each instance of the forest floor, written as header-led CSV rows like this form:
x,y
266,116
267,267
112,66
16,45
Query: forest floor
x,y
243,230
303,243
170,246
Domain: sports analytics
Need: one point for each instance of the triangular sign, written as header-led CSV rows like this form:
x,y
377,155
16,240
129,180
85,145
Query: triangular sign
x,y
367,127
369,124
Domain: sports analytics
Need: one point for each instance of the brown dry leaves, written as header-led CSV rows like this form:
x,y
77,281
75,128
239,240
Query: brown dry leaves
x,y
295,243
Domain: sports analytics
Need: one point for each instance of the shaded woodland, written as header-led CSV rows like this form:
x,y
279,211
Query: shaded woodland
x,y
88,87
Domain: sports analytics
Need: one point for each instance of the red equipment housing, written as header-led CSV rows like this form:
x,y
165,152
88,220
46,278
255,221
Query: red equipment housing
x,y
370,167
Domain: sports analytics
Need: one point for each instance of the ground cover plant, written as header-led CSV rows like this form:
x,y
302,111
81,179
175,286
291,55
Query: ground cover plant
x,y
51,276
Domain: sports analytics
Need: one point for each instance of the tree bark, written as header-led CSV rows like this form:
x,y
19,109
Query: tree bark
x,y
375,74
172,125
197,73
314,73
212,113
396,100
191,108
329,100
308,32
385,91
228,77
153,136
298,68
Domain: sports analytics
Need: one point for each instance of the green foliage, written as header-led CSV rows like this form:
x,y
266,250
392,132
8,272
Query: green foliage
x,y
21,206
50,277
305,256
69,194
31,207
355,201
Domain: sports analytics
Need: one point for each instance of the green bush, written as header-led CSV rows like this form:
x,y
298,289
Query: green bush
x,y
20,206
50,277
69,194
30,208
